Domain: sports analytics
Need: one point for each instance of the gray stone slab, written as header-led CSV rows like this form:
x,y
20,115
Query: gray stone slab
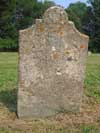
x,y
52,56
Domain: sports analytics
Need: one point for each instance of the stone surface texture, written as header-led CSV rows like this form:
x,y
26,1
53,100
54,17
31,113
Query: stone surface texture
x,y
52,58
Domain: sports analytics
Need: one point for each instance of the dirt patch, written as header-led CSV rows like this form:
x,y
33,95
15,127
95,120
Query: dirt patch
x,y
89,114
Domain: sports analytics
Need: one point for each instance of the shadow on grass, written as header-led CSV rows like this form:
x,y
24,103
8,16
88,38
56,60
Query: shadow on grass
x,y
9,99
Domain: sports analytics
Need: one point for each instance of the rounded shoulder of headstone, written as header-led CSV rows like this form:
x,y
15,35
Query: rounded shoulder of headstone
x,y
55,14
27,30
79,33
85,36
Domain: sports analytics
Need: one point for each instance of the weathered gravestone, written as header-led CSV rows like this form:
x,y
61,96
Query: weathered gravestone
x,y
51,67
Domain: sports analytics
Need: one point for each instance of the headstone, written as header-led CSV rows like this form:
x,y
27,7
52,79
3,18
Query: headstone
x,y
52,58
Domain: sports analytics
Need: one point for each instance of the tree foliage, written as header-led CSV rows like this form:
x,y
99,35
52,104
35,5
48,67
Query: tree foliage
x,y
20,14
27,13
92,25
76,13
7,26
16,15
87,20
8,31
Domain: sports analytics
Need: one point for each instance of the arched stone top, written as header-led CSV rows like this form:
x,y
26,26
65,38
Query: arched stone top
x,y
55,14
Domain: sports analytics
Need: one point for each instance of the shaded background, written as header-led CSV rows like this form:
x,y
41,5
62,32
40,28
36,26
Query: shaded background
x,y
20,14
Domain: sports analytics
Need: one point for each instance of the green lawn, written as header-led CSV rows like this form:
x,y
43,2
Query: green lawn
x,y
8,92
8,79
92,78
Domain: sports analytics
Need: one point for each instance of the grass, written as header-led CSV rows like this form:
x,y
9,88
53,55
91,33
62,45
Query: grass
x,y
8,79
51,129
8,95
92,79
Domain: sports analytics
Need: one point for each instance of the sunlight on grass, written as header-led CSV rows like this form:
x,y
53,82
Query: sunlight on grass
x,y
8,93
9,74
92,80
8,79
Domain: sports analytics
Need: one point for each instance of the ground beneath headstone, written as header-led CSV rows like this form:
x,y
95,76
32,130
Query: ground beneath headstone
x,y
90,114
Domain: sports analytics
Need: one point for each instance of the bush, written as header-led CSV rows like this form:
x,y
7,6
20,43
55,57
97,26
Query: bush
x,y
8,44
